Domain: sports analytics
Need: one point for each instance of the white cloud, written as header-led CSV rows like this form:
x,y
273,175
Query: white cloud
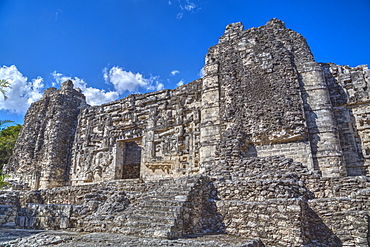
x,y
106,75
186,6
190,6
57,14
180,83
159,86
201,72
22,92
94,96
123,80
174,72
179,16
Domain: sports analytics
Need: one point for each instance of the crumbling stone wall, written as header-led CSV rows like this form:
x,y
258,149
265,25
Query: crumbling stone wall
x,y
42,154
9,207
260,96
340,205
285,204
264,198
274,99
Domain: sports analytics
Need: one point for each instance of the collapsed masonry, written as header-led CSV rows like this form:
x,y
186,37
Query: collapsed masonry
x,y
212,150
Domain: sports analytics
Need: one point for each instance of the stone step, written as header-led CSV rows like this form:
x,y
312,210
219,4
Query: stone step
x,y
133,190
181,181
165,189
47,210
158,213
151,219
93,223
147,225
175,185
170,191
160,232
156,204
171,185
177,197
163,208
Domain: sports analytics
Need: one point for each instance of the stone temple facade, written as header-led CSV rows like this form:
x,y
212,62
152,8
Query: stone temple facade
x,y
269,144
262,94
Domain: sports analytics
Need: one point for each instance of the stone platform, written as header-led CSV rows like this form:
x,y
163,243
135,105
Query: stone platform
x,y
20,237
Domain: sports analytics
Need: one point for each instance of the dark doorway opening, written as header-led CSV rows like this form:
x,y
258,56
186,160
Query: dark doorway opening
x,y
128,159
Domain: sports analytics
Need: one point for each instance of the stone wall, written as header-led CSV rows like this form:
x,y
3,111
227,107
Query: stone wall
x,y
284,204
277,222
327,153
346,224
163,126
350,96
294,150
42,154
273,92
272,198
268,144
263,198
262,94
9,207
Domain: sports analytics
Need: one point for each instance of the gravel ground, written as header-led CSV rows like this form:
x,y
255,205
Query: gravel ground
x,y
36,238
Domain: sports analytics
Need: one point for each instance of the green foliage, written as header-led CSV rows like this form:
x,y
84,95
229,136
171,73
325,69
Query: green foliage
x,y
4,122
4,84
8,137
2,180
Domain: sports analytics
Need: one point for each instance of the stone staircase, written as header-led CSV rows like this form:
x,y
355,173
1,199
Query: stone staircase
x,y
159,212
9,205
159,209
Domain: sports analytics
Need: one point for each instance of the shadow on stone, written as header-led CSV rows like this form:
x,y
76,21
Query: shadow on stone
x,y
204,218
318,233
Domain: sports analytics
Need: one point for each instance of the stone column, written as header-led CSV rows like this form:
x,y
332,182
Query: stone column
x,y
210,114
323,134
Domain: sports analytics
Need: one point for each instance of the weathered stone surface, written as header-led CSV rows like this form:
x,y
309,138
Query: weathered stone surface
x,y
282,202
42,155
68,239
159,130
262,94
268,145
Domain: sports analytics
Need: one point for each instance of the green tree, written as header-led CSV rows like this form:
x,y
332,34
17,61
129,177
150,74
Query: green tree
x,y
8,137
4,84
2,180
4,122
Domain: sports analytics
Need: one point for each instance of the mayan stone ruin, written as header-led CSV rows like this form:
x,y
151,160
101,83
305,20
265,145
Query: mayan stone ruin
x,y
269,147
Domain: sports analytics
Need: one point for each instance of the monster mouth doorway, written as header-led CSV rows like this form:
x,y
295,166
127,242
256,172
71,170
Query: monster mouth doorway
x,y
128,159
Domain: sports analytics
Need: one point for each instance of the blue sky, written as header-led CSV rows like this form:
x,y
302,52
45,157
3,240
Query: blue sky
x,y
111,48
